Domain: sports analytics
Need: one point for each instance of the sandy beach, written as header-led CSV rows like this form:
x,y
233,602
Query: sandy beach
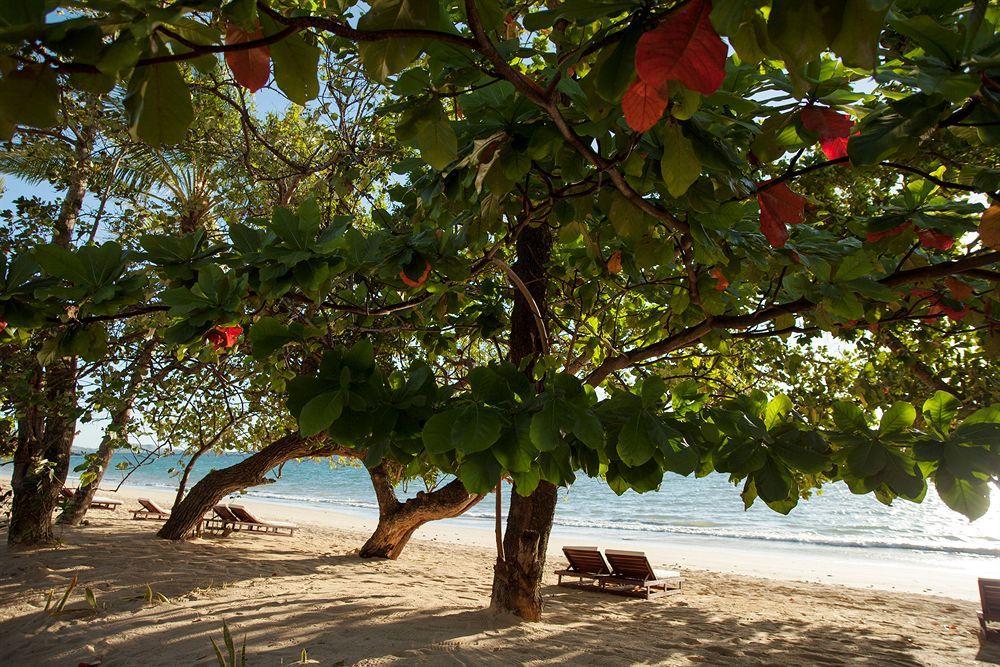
x,y
311,592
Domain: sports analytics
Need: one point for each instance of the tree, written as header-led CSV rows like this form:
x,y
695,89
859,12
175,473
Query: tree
x,y
602,189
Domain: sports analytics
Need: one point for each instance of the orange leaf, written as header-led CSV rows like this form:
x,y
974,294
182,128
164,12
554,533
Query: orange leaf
x,y
615,263
959,289
643,106
721,282
989,227
410,282
779,206
250,67
685,48
223,338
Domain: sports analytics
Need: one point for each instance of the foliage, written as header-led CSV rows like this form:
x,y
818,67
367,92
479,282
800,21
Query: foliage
x,y
828,175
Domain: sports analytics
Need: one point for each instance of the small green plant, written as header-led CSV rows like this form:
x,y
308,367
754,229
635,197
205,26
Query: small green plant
x,y
154,597
57,609
91,598
227,640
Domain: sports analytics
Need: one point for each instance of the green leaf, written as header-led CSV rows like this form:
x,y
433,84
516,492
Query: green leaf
x,y
680,167
437,432
525,483
544,430
866,459
860,29
897,418
775,411
970,497
510,454
437,142
940,410
588,430
612,63
158,102
479,472
855,265
384,58
295,68
318,414
849,417
476,428
30,96
634,444
773,482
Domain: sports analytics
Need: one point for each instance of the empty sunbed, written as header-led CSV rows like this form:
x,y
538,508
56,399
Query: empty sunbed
x,y
585,563
248,519
97,502
989,594
150,510
632,574
224,519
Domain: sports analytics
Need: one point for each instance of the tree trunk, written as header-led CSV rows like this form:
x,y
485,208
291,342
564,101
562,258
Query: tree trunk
x,y
45,439
186,475
216,485
517,576
117,432
397,521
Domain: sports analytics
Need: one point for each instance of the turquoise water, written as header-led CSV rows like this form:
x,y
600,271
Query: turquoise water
x,y
708,507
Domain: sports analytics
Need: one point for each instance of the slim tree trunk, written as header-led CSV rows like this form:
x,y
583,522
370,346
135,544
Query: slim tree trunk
x,y
517,576
186,474
251,471
45,437
114,435
397,521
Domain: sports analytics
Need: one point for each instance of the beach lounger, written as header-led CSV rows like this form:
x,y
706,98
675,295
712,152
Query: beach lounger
x,y
97,502
584,563
150,510
632,574
247,518
989,595
224,520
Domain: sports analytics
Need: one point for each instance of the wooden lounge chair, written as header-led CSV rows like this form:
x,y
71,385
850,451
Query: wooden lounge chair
x,y
97,502
989,594
150,510
248,519
632,574
584,563
224,520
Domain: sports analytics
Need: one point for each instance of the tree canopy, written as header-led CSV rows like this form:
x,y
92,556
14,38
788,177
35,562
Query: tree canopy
x,y
588,201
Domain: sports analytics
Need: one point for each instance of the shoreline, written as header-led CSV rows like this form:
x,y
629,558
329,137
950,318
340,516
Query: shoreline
x,y
945,574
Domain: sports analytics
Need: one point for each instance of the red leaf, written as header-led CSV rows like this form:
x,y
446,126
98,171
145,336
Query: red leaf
x,y
3,325
615,262
875,237
779,206
250,67
721,282
410,282
932,239
223,338
685,48
959,289
833,129
643,106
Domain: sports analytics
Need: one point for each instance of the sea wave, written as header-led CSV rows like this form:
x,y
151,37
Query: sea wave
x,y
700,529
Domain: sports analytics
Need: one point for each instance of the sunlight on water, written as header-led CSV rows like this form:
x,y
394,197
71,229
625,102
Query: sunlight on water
x,y
687,506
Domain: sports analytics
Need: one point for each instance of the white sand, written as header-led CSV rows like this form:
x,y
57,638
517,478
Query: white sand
x,y
430,606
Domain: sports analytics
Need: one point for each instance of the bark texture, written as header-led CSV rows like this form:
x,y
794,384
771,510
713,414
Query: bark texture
x,y
517,576
47,419
397,521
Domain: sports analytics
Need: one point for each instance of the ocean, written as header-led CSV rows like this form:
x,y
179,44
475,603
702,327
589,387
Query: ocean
x,y
697,508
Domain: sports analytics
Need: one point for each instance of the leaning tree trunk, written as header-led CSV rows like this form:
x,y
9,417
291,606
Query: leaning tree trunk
x,y
397,521
216,485
517,576
117,432
45,438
